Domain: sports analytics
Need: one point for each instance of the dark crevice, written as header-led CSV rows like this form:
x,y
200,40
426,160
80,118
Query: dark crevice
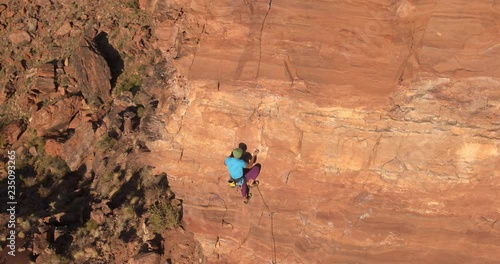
x,y
260,37
111,55
128,235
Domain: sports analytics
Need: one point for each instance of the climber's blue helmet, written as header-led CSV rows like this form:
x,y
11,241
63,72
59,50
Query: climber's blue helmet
x,y
237,153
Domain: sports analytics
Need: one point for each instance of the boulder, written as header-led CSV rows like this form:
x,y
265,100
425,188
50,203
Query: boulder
x,y
53,148
92,72
40,242
56,116
98,216
147,5
45,78
12,131
7,91
146,258
19,37
64,29
78,147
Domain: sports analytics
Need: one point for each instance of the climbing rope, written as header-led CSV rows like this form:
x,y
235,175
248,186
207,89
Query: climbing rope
x,y
271,213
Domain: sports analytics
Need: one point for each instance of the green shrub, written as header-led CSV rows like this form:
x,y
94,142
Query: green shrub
x,y
163,216
134,4
142,69
140,111
132,83
128,212
42,163
58,259
91,226
106,142
47,165
35,141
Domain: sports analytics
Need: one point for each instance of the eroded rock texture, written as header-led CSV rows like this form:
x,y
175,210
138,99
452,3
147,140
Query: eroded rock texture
x,y
80,86
88,63
378,125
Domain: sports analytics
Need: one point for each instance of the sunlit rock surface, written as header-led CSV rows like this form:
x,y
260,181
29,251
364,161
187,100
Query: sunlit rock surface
x,y
378,125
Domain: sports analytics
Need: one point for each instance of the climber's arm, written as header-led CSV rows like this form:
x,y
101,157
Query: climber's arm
x,y
253,159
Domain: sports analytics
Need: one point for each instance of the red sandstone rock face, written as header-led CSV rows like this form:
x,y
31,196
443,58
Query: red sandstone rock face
x,y
377,124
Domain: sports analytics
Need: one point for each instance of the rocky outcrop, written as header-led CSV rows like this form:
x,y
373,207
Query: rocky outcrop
x,y
92,73
11,131
78,147
377,128
44,79
57,116
74,135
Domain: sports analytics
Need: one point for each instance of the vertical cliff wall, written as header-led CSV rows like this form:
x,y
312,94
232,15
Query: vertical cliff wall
x,y
378,125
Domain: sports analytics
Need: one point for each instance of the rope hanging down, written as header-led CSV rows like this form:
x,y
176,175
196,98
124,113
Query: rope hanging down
x,y
272,225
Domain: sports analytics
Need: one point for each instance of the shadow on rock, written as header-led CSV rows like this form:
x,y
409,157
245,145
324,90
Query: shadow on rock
x,y
111,55
127,191
128,235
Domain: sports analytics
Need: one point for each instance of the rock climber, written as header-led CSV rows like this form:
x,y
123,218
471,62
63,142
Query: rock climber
x,y
238,164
